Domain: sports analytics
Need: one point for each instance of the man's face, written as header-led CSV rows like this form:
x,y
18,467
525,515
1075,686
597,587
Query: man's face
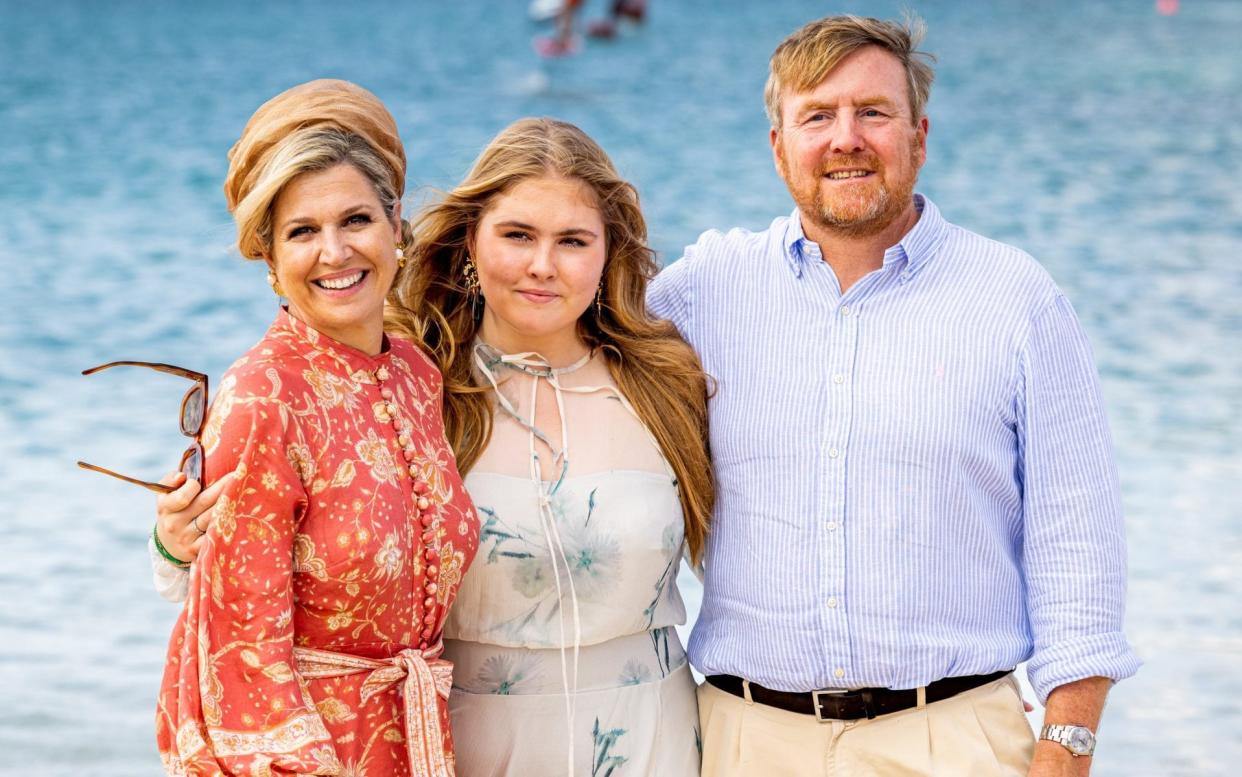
x,y
848,149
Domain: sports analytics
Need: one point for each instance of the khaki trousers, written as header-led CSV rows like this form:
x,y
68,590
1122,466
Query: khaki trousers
x,y
979,733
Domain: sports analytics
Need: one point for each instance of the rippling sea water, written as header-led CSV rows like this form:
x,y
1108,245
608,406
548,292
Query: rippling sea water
x,y
1102,137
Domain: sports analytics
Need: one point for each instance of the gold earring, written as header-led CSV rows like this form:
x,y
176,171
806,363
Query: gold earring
x,y
471,274
275,284
599,293
400,258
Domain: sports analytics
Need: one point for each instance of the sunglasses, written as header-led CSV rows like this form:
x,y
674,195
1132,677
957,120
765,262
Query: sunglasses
x,y
193,411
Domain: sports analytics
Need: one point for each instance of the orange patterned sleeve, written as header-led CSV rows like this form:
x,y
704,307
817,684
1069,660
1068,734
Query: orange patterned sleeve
x,y
232,700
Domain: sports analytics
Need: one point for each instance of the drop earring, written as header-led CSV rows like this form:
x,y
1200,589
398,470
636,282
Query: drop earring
x,y
275,284
400,257
471,274
599,307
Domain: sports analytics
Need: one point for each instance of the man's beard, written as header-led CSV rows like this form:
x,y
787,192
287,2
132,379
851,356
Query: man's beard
x,y
863,214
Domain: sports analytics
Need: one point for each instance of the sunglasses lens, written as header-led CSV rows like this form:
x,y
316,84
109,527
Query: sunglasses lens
x,y
192,463
192,410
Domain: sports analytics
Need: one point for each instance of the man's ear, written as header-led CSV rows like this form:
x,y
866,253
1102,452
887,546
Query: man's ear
x,y
778,151
924,127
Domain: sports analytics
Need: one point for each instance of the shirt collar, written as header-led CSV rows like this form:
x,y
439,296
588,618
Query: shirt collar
x,y
915,248
358,365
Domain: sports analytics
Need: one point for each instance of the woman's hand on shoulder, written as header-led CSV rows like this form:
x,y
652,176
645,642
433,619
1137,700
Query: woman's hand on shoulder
x,y
183,516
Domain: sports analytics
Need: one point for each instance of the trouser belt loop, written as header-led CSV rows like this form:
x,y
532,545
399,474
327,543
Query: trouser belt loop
x,y
921,695
746,692
868,703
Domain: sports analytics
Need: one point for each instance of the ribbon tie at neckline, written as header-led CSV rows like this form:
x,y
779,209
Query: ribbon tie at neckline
x,y
423,676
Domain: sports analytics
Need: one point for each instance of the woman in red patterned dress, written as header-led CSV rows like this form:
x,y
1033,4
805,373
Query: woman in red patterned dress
x,y
311,636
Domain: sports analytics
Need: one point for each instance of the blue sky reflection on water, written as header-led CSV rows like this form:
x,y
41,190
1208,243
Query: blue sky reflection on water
x,y
1103,139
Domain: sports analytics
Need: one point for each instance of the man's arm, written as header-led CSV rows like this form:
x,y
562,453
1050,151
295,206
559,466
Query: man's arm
x,y
1073,552
668,294
1079,703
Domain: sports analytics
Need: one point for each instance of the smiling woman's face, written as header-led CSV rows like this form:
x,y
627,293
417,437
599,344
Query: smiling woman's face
x,y
540,250
333,252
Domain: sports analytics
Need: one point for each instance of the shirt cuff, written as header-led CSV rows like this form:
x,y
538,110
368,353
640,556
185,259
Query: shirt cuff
x,y
1099,655
171,582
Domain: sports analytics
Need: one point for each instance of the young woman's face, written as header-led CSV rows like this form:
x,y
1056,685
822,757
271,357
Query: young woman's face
x,y
540,250
333,252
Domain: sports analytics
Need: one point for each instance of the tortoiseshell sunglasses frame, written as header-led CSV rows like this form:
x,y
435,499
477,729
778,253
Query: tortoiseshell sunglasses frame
x,y
192,460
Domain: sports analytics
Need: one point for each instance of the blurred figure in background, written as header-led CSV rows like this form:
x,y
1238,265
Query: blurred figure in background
x,y
632,10
564,42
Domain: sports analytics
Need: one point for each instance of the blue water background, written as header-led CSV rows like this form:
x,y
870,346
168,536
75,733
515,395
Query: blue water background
x,y
1101,137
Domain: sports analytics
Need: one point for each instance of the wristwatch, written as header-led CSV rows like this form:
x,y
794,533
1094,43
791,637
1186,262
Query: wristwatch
x,y
1079,740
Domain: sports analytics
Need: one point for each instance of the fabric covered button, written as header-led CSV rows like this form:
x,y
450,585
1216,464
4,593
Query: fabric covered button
x,y
381,373
386,393
423,502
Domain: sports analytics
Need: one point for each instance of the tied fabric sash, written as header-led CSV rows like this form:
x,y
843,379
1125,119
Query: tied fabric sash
x,y
423,675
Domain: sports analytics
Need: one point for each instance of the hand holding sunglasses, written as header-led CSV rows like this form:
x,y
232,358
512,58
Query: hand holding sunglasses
x,y
193,412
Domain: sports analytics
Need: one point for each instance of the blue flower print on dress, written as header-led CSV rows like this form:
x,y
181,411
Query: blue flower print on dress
x,y
603,762
507,674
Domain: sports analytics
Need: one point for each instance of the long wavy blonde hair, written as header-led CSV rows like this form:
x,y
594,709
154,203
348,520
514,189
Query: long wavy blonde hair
x,y
653,367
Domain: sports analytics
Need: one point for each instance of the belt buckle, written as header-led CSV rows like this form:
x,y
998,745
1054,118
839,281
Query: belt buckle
x,y
825,692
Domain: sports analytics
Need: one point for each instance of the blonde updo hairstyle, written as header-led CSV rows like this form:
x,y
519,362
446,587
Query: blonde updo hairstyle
x,y
309,128
654,368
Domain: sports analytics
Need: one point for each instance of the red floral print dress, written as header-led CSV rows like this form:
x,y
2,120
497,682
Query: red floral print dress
x,y
310,638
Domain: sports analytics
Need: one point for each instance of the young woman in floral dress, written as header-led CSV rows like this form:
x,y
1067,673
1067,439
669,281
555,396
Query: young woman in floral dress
x,y
580,421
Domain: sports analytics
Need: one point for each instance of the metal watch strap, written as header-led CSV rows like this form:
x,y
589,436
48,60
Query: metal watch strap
x,y
1063,736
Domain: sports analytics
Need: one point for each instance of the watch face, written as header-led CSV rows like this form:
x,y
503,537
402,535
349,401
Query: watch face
x,y
1080,740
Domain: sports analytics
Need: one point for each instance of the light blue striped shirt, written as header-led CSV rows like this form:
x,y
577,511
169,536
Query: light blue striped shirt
x,y
915,479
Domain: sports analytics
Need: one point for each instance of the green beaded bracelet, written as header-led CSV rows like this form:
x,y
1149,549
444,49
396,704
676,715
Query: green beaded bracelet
x,y
170,558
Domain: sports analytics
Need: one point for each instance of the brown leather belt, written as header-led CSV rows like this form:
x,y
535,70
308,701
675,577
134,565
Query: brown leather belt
x,y
854,704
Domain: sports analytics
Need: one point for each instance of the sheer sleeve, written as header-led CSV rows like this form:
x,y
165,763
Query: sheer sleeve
x,y
171,582
232,700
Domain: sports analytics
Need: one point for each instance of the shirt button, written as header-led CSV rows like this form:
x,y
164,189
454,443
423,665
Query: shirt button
x,y
832,601
838,378
845,310
838,673
905,275
832,525
833,453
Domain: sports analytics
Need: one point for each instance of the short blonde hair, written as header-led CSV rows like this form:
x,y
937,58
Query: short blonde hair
x,y
805,58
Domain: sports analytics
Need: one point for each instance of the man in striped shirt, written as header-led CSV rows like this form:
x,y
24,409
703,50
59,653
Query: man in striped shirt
x,y
916,483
